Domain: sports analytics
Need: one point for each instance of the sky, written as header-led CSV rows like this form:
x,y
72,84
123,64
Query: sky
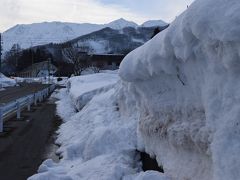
x,y
14,12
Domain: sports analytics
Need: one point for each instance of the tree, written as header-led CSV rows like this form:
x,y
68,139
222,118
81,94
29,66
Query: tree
x,y
156,31
79,60
12,57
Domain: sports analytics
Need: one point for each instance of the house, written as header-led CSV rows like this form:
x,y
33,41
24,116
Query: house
x,y
41,69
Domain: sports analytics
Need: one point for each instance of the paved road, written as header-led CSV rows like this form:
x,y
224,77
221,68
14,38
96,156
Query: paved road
x,y
13,93
24,142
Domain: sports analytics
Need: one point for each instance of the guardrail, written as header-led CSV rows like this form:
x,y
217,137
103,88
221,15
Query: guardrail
x,y
21,103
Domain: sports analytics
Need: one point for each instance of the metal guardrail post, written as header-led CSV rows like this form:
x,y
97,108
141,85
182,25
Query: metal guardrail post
x,y
38,97
26,101
35,99
29,104
41,96
18,110
1,120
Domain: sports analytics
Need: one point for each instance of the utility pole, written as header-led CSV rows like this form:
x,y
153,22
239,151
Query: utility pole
x,y
32,58
49,70
0,52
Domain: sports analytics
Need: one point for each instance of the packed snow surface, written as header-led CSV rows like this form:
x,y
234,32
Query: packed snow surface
x,y
185,82
82,89
97,142
6,82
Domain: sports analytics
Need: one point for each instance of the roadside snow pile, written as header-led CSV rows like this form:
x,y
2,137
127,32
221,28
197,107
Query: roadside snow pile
x,y
178,100
83,88
6,82
96,142
186,85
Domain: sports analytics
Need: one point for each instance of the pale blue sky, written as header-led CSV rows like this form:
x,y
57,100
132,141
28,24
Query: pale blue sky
x,y
14,12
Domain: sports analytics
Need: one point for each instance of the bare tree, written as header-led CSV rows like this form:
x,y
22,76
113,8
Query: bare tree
x,y
79,59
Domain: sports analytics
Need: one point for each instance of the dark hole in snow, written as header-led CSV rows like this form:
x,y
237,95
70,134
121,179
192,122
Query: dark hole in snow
x,y
149,163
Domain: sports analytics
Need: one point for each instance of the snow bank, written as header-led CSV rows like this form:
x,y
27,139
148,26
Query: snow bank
x,y
6,82
148,175
83,88
184,84
97,142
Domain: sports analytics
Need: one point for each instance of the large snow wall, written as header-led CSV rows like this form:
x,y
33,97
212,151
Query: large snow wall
x,y
184,85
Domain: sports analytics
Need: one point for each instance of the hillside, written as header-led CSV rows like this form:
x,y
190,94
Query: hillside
x,y
105,41
28,35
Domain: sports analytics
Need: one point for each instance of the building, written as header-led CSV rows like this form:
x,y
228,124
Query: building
x,y
41,69
106,61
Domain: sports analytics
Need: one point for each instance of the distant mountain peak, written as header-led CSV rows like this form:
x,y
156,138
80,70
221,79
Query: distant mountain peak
x,y
121,23
152,23
27,35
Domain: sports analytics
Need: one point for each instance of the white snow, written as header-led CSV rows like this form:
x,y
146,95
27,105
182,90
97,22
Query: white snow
x,y
96,142
185,82
97,46
6,82
148,175
82,89
44,33
178,100
27,35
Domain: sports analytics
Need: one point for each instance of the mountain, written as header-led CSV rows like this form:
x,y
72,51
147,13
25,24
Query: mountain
x,y
104,41
108,41
121,23
155,23
54,32
46,32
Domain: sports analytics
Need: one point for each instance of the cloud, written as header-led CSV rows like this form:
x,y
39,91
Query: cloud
x,y
9,9
14,12
159,9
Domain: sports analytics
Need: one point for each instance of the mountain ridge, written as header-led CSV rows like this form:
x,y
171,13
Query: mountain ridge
x,y
28,35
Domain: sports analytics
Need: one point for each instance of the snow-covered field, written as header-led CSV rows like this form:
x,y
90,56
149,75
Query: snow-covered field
x,y
178,99
6,82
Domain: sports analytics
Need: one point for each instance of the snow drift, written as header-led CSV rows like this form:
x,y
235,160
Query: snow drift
x,y
96,142
83,88
185,83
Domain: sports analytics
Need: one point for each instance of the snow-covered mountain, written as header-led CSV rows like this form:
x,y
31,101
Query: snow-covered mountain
x,y
121,23
54,32
104,41
115,41
46,32
153,23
